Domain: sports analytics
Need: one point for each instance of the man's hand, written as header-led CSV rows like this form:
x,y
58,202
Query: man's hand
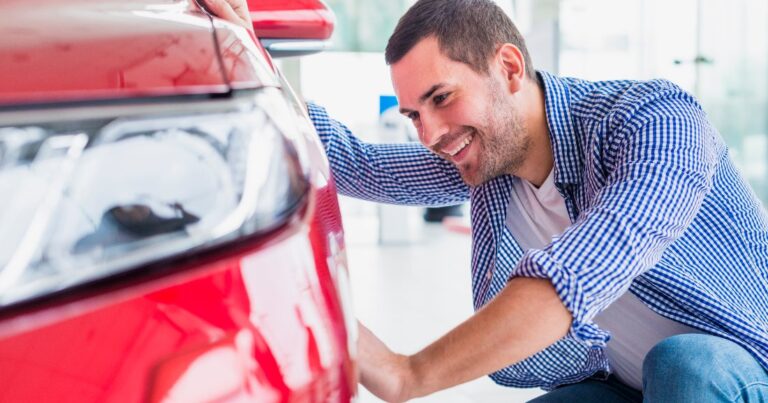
x,y
384,373
234,11
523,319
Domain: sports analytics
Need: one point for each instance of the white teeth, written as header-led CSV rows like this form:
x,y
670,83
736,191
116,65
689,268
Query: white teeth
x,y
460,147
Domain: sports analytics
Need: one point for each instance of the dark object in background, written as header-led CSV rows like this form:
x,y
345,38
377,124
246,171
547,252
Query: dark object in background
x,y
436,214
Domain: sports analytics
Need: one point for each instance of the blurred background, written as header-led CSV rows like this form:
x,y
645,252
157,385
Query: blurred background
x,y
410,275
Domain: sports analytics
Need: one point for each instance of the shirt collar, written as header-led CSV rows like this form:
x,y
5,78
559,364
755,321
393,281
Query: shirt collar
x,y
568,155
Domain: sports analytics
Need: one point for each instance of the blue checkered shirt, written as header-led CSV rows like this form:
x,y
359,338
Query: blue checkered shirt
x,y
656,205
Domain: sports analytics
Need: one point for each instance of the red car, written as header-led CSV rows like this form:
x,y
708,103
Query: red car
x,y
169,227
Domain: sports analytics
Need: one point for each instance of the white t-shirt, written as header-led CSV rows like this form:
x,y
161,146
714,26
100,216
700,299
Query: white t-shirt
x,y
534,216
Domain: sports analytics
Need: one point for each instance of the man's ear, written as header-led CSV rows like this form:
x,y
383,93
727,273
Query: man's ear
x,y
512,66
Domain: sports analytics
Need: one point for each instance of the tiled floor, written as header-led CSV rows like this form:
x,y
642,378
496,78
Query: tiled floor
x,y
409,294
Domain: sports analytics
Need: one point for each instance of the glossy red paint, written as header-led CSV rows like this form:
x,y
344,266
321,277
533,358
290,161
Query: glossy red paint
x,y
58,51
244,62
296,19
253,325
327,238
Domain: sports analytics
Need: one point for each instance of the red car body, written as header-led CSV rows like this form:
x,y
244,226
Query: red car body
x,y
257,314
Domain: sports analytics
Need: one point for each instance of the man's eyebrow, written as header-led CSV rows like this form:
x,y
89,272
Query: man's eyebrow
x,y
431,91
425,96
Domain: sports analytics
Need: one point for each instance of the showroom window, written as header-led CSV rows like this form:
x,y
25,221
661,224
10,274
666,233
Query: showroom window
x,y
715,49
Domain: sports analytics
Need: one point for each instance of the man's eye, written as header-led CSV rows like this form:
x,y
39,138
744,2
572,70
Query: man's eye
x,y
413,115
438,99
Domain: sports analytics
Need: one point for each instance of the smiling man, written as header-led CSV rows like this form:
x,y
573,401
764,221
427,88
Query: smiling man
x,y
467,118
617,254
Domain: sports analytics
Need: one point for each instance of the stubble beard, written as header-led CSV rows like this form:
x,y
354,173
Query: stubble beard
x,y
504,144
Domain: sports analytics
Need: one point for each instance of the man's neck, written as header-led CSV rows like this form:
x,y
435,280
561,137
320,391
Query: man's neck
x,y
540,159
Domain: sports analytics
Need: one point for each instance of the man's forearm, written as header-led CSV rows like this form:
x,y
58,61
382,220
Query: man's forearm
x,y
526,317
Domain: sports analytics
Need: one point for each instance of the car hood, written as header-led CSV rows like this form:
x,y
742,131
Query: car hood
x,y
65,50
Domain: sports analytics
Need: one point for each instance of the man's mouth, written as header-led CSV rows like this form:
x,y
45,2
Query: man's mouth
x,y
459,145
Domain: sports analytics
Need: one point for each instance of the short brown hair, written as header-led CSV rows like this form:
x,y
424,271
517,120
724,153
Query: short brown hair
x,y
467,31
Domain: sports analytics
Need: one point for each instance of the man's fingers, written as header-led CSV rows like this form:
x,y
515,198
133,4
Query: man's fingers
x,y
240,8
216,7
232,11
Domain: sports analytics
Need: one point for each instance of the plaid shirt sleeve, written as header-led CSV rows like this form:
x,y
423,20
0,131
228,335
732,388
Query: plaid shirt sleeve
x,y
405,173
663,159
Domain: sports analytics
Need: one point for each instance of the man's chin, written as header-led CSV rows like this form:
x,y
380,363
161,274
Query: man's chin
x,y
474,176
471,178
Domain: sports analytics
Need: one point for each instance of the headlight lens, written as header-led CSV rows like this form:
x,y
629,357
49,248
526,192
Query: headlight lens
x,y
86,200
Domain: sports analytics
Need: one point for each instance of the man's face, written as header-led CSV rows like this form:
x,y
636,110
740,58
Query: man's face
x,y
466,117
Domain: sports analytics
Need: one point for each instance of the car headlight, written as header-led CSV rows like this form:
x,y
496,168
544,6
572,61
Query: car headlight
x,y
89,198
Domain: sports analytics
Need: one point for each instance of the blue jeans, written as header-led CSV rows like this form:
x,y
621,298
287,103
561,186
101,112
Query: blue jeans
x,y
694,368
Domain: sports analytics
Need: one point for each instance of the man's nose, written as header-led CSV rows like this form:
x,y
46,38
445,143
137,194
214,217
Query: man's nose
x,y
433,127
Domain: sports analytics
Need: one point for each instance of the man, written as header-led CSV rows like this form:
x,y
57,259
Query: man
x,y
580,191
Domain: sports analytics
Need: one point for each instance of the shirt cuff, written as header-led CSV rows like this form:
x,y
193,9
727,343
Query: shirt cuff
x,y
317,114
